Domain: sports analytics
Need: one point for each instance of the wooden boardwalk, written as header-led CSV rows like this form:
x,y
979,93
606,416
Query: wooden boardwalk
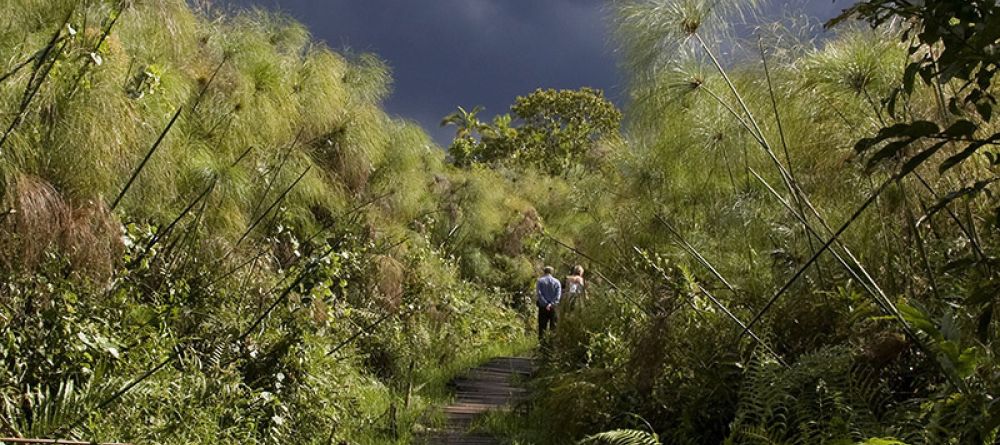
x,y
490,386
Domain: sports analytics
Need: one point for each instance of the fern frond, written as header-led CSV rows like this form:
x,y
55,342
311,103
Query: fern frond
x,y
622,437
882,441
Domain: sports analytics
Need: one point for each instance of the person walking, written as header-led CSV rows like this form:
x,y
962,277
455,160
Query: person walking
x,y
548,290
575,287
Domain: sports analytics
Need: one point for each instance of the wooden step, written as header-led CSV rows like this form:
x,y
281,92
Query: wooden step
x,y
490,386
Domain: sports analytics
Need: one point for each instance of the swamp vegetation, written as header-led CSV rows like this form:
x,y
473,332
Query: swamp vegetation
x,y
211,232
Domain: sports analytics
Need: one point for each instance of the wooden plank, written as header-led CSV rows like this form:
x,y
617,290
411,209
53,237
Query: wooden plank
x,y
490,386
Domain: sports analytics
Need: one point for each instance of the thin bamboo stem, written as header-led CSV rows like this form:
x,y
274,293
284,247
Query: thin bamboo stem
x,y
359,333
170,227
697,255
729,108
257,321
273,205
732,87
34,82
189,234
115,396
902,321
711,297
17,68
272,176
104,36
309,239
788,157
850,270
754,336
145,159
756,129
972,239
163,134
854,217
921,248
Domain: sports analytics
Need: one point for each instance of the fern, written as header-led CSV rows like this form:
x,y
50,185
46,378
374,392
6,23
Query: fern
x,y
43,410
882,441
622,437
820,399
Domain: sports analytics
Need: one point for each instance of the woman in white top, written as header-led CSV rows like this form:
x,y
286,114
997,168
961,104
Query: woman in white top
x,y
574,286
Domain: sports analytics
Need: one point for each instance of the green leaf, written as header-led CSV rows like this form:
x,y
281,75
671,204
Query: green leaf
x,y
919,319
985,110
951,352
889,150
967,362
916,129
961,156
961,128
971,190
909,131
915,161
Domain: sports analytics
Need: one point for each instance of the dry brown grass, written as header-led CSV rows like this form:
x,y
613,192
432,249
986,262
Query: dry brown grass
x,y
92,240
353,169
43,222
512,242
390,274
39,216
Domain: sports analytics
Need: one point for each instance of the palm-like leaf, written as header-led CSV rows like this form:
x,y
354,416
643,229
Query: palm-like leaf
x,y
465,120
53,407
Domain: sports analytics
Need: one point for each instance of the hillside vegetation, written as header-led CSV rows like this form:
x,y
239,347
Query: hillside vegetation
x,y
211,232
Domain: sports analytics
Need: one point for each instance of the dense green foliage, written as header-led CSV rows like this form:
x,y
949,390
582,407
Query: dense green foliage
x,y
798,245
213,214
556,132
211,232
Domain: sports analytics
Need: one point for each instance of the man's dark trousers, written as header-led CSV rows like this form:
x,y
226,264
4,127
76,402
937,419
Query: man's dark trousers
x,y
546,320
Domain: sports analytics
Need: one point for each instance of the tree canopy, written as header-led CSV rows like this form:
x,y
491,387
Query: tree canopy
x,y
552,130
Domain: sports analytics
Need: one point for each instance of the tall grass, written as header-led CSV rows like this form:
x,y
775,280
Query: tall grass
x,y
204,211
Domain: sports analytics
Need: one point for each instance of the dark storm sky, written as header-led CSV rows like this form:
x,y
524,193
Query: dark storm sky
x,y
446,53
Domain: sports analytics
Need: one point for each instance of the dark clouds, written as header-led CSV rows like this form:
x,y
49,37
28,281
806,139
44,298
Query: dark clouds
x,y
446,53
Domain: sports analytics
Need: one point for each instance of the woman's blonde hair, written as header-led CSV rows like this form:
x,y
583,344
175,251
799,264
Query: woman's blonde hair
x,y
578,270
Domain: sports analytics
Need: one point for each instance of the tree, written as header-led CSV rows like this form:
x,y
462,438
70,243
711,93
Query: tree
x,y
466,125
549,129
559,127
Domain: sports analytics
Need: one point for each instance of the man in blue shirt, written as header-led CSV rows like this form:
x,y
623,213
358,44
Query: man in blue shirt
x,y
548,291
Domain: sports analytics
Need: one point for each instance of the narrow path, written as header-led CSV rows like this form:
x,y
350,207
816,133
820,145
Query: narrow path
x,y
487,387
